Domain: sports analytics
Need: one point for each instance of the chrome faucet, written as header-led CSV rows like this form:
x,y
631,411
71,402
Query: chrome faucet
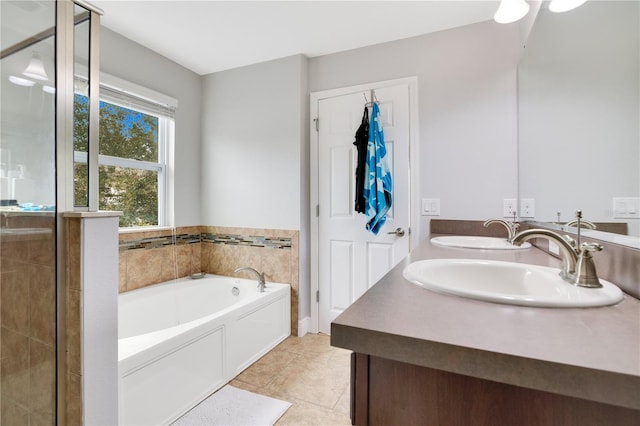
x,y
259,275
577,263
512,227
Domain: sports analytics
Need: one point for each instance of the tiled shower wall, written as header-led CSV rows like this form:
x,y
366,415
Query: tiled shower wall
x,y
28,320
152,257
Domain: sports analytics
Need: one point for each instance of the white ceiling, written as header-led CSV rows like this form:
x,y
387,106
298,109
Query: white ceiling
x,y
209,36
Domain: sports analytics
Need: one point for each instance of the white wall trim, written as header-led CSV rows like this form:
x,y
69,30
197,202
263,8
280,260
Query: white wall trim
x,y
414,191
304,326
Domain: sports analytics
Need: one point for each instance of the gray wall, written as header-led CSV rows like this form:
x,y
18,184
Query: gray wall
x,y
467,109
255,153
130,61
251,145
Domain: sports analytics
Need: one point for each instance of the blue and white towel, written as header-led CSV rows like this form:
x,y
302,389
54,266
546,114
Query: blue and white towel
x,y
378,187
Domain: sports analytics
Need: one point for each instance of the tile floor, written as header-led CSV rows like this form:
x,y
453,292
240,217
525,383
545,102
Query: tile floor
x,y
309,373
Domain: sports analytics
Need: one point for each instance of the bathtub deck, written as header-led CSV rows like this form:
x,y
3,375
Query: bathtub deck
x,y
307,372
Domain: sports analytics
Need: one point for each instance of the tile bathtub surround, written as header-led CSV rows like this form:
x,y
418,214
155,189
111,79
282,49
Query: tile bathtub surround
x,y
27,321
151,257
248,240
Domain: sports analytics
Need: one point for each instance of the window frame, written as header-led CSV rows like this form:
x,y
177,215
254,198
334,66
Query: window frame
x,y
137,98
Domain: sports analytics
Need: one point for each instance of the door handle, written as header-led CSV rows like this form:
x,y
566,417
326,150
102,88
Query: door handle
x,y
399,232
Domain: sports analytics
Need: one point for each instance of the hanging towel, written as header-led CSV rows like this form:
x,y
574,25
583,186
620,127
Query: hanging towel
x,y
377,189
361,142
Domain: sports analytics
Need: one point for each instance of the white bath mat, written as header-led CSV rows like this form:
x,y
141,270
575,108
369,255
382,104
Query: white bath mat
x,y
233,406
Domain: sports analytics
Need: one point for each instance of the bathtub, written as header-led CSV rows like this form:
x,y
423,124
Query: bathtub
x,y
182,340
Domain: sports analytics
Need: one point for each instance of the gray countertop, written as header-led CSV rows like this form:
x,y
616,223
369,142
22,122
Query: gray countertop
x,y
589,353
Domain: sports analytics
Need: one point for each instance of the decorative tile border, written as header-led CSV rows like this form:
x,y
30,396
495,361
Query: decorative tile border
x,y
159,242
229,239
247,240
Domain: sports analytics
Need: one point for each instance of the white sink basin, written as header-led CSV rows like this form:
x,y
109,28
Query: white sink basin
x,y
490,243
508,283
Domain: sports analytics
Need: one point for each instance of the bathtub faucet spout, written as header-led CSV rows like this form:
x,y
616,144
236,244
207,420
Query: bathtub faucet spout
x,y
259,275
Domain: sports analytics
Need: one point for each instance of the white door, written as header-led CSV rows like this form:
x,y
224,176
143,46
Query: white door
x,y
351,259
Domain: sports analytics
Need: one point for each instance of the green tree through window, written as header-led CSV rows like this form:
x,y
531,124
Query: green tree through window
x,y
125,185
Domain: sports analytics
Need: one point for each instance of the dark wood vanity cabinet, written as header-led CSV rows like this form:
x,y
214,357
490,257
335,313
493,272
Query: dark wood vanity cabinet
x,y
387,392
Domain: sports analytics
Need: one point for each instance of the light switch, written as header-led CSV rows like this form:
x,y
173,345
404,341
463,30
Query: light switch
x,y
431,207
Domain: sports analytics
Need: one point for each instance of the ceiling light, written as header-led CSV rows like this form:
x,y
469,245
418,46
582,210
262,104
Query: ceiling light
x,y
49,89
510,11
21,81
564,5
35,69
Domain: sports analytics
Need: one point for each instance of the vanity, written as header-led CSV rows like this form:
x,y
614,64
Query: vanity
x,y
426,357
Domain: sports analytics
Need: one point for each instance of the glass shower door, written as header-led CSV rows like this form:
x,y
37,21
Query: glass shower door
x,y
27,213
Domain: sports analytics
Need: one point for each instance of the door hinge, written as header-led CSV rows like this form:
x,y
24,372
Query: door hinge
x,y
317,210
318,296
317,121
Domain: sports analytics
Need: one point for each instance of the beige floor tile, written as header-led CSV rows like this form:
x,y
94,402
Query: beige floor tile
x,y
343,405
305,413
263,371
308,372
312,378
310,343
246,386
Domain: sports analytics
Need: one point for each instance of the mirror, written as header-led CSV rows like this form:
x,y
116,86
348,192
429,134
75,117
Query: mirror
x,y
579,115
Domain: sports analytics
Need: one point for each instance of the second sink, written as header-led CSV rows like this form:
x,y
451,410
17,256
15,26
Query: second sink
x,y
488,243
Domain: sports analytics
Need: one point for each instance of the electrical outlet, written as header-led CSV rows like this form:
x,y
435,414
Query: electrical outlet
x,y
554,248
430,207
527,207
509,207
626,207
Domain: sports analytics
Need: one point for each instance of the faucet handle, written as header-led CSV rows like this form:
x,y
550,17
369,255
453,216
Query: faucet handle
x,y
590,247
586,274
571,241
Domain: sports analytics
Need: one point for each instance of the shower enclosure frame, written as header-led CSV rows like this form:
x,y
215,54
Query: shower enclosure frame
x,y
64,26
65,60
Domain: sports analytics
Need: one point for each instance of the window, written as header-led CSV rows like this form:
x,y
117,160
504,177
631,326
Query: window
x,y
135,142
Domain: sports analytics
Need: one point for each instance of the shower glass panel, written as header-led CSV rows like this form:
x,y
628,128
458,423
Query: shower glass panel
x,y
81,107
27,213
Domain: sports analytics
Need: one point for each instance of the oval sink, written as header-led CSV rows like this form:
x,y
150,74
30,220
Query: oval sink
x,y
508,283
489,243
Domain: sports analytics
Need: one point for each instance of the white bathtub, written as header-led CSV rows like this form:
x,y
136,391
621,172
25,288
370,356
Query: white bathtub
x,y
182,340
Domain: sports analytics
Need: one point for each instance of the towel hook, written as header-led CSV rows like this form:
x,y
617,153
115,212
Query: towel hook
x,y
374,98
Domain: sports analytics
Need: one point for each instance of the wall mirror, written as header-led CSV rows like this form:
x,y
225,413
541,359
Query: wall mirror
x,y
579,115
